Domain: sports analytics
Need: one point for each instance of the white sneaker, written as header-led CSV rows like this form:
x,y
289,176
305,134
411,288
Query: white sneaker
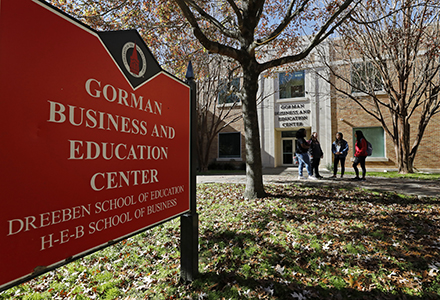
x,y
312,177
301,178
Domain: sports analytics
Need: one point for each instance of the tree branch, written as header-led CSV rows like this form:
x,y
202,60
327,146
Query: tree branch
x,y
322,34
210,45
284,23
210,19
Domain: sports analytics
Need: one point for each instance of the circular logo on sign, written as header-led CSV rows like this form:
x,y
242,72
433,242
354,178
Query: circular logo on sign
x,y
134,59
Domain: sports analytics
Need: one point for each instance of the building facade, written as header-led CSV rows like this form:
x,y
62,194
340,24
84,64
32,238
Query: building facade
x,y
305,99
288,101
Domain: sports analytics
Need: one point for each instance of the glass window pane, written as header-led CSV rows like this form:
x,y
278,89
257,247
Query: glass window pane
x,y
229,145
226,94
287,152
291,84
376,136
365,78
285,134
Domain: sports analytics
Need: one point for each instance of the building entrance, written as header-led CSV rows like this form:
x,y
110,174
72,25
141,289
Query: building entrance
x,y
288,147
287,152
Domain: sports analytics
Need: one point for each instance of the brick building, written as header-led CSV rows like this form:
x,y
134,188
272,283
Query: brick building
x,y
306,99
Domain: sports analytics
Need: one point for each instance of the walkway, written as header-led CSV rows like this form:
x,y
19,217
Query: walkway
x,y
421,188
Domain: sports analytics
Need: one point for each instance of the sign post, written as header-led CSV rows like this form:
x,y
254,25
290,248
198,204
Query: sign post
x,y
95,139
189,222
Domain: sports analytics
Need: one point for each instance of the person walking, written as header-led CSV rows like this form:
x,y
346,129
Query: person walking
x,y
316,154
302,149
360,155
339,149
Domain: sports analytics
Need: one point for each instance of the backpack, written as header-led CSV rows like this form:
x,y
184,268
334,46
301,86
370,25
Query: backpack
x,y
369,148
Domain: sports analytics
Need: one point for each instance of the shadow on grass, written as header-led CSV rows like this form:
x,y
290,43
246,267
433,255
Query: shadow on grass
x,y
412,187
374,233
400,231
230,285
240,267
325,191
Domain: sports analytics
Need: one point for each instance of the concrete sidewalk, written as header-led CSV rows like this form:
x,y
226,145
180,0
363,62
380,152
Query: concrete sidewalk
x,y
421,188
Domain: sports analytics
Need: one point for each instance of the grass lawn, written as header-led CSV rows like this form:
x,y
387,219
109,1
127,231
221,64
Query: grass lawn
x,y
223,172
389,174
296,243
423,176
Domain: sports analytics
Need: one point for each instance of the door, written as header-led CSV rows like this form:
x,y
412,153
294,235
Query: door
x,y
287,151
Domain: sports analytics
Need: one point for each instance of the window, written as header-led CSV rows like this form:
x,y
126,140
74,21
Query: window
x,y
229,145
226,93
376,136
291,85
288,134
365,78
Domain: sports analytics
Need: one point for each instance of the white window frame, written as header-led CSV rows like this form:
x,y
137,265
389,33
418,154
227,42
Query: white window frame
x,y
372,158
299,98
239,158
223,85
367,64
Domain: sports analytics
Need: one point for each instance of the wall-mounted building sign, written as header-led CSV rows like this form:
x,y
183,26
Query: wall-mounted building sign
x,y
95,139
294,114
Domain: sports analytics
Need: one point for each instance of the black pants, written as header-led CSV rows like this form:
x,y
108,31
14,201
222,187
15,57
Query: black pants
x,y
360,160
335,164
315,167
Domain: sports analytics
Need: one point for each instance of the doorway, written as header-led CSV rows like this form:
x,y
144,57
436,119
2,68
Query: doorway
x,y
287,154
288,143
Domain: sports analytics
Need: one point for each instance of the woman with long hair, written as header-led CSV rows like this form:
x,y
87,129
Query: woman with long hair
x,y
339,150
302,149
360,155
316,154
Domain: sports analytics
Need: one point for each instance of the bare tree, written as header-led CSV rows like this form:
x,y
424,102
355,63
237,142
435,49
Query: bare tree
x,y
216,74
242,30
392,47
218,105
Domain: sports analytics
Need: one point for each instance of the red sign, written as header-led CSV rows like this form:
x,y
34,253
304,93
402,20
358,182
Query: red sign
x,y
95,139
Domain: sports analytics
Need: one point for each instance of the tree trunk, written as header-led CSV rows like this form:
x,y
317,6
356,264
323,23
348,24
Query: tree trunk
x,y
254,173
402,148
203,163
203,154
